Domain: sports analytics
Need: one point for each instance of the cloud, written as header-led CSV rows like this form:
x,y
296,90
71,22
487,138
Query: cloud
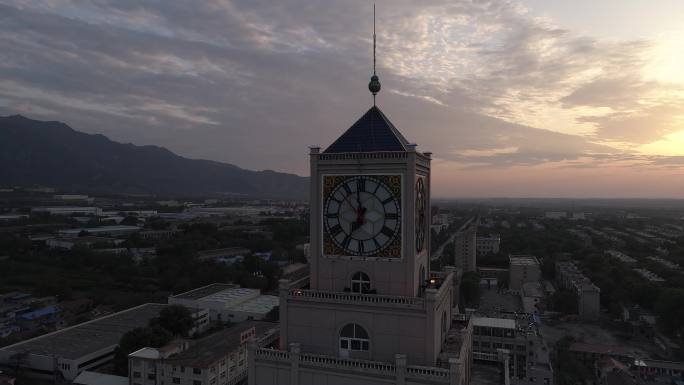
x,y
253,82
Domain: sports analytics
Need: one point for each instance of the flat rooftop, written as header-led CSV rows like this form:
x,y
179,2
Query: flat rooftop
x,y
260,304
79,340
204,291
523,260
206,351
503,323
232,294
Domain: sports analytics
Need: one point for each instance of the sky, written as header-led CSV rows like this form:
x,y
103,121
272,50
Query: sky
x,y
520,98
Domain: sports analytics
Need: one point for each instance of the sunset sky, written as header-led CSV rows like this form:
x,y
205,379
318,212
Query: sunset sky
x,y
542,98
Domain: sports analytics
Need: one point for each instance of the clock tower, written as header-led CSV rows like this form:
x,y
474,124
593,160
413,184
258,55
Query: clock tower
x,y
373,312
369,208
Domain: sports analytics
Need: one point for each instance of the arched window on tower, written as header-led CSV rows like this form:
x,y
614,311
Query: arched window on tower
x,y
360,283
353,337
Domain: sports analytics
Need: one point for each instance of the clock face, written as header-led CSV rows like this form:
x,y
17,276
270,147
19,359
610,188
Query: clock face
x,y
421,204
362,215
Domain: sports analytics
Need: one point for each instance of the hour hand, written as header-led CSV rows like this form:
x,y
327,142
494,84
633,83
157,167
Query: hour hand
x,y
355,226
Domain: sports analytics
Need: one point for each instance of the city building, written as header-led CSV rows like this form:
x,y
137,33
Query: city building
x,y
226,302
518,343
488,244
374,313
522,269
217,359
465,244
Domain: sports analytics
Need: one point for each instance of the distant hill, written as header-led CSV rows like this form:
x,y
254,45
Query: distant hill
x,y
53,154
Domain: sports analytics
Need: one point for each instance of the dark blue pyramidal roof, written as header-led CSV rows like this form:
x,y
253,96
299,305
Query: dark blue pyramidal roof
x,y
372,132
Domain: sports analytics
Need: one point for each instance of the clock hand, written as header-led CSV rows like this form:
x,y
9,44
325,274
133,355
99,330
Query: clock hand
x,y
346,198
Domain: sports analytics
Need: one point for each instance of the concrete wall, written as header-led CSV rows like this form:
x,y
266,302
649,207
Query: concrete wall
x,y
317,329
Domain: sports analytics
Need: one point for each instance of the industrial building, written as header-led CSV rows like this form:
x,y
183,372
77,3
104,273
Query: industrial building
x,y
226,302
66,353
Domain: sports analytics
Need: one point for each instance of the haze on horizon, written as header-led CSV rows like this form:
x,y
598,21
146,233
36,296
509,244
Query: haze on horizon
x,y
513,98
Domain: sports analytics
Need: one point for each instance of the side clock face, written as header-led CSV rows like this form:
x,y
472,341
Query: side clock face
x,y
421,204
362,215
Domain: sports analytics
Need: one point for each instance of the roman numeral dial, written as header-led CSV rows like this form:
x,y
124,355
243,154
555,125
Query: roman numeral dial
x,y
362,215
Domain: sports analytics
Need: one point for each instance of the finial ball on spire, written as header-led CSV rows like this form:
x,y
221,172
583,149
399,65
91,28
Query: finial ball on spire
x,y
374,85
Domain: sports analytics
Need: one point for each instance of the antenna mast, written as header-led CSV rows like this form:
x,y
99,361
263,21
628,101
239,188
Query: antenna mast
x,y
374,85
373,38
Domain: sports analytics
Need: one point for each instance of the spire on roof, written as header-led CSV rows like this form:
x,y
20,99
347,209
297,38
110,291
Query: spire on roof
x,y
374,85
373,132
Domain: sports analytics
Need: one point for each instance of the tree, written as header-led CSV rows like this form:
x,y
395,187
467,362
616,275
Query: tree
x,y
565,301
670,310
176,319
153,337
129,221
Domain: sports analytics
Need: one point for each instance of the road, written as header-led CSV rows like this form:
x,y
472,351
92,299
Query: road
x,y
438,253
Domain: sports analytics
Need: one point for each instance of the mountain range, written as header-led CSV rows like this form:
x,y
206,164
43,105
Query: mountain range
x,y
50,153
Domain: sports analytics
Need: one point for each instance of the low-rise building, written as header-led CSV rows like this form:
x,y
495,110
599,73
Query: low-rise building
x,y
660,371
87,242
516,342
217,359
223,254
649,275
589,354
111,231
555,215
68,210
620,256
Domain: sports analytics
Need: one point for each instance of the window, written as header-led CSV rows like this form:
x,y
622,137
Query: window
x,y
151,376
175,380
196,371
196,382
354,337
360,283
444,324
136,375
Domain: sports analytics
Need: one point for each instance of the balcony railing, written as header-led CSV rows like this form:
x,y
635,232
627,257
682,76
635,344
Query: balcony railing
x,y
420,374
357,298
